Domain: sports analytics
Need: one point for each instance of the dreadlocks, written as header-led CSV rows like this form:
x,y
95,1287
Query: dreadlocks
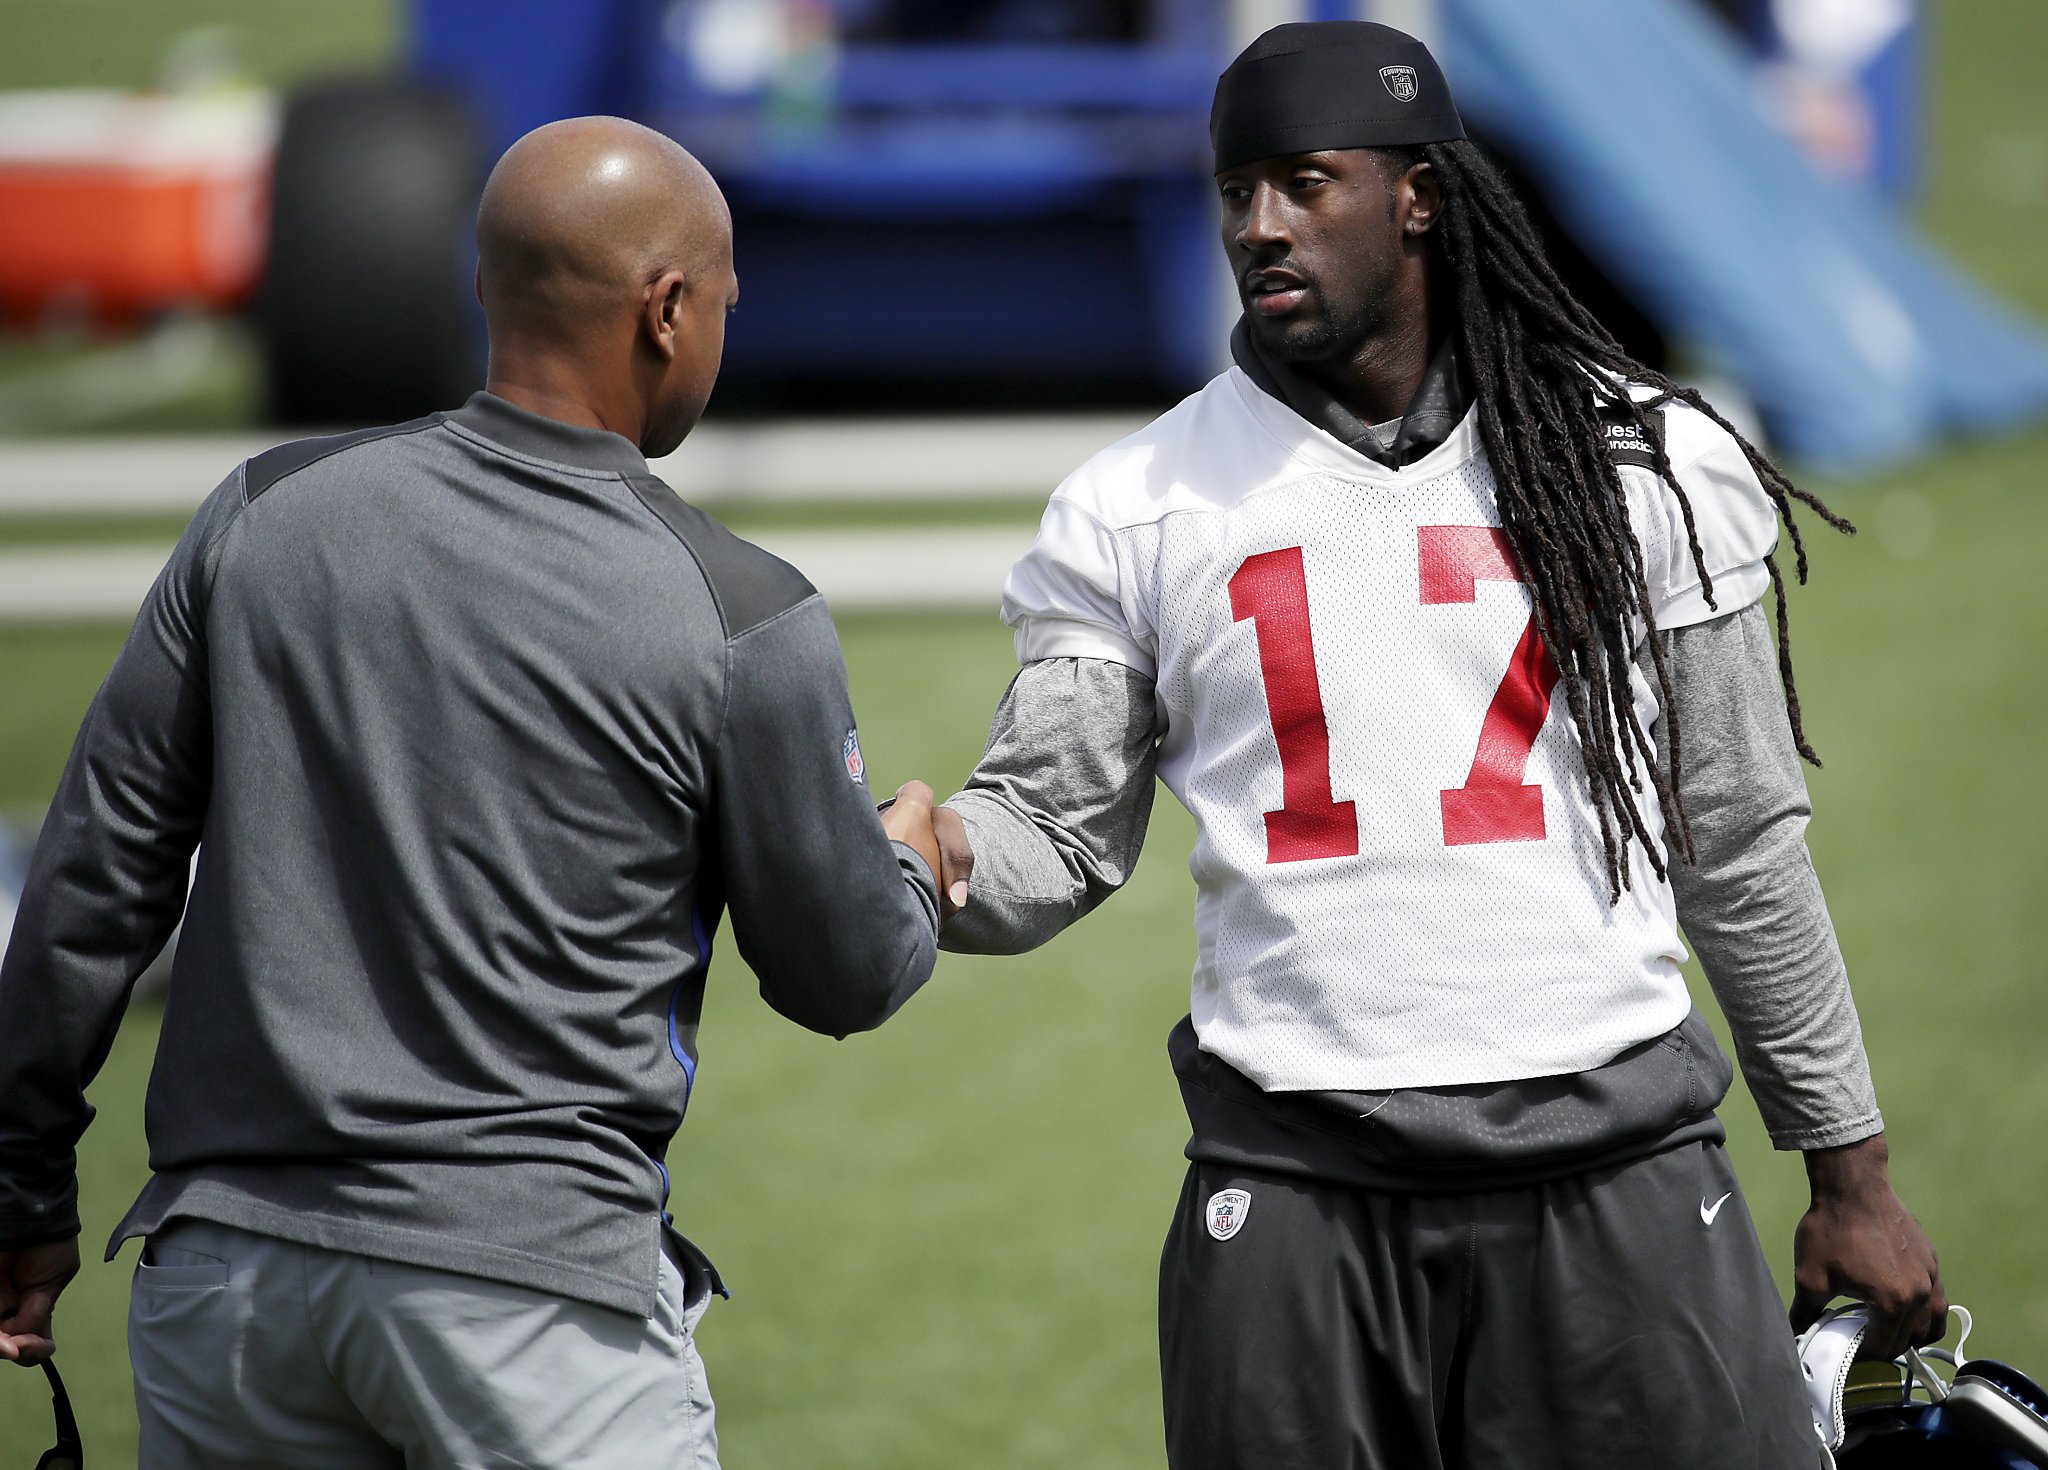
x,y
1543,370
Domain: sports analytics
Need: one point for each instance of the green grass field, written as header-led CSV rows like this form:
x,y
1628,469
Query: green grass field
x,y
123,43
942,1237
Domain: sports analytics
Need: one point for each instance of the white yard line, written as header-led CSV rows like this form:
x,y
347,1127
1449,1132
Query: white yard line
x,y
858,571
76,586
905,569
983,457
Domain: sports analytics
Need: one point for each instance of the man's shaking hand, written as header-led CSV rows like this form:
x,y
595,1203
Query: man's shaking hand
x,y
939,837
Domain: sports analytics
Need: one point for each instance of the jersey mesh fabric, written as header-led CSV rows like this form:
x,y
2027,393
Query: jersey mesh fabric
x,y
1413,960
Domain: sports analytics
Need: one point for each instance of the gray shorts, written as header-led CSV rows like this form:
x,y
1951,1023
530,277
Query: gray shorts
x,y
251,1353
1613,1320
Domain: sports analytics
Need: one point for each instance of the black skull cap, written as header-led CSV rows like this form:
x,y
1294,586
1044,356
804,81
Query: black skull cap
x,y
1323,84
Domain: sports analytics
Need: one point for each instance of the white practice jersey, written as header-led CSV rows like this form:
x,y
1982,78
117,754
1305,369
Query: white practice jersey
x,y
1399,870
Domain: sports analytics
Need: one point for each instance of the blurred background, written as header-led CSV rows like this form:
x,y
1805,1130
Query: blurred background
x,y
977,243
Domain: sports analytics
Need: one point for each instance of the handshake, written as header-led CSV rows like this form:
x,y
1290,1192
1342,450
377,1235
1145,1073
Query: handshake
x,y
939,837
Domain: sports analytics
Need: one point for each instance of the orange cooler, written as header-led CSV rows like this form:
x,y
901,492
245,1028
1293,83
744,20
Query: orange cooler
x,y
115,205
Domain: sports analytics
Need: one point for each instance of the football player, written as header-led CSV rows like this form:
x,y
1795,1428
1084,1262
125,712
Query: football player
x,y
1457,1192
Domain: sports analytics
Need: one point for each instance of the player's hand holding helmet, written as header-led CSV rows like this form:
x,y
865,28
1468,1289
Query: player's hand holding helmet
x,y
1932,1407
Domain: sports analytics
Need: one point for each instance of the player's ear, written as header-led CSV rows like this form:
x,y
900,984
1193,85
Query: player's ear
x,y
1421,199
662,312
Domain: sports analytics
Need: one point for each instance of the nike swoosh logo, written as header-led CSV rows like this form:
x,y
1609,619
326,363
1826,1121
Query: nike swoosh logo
x,y
1707,1212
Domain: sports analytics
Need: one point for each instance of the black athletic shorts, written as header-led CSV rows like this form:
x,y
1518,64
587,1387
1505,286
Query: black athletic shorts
x,y
1623,1319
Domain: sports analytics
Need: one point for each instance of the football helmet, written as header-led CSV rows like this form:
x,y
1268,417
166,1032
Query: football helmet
x,y
1932,1409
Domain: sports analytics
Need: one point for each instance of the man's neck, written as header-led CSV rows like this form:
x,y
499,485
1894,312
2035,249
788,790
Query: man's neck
x,y
1380,380
1425,421
559,391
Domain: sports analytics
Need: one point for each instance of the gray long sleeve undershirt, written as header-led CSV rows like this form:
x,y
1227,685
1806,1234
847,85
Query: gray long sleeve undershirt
x,y
1751,905
1058,806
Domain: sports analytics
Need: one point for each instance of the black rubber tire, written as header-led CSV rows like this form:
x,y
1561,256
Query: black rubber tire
x,y
366,311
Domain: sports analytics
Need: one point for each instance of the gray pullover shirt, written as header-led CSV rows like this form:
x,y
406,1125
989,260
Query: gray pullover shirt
x,y
478,730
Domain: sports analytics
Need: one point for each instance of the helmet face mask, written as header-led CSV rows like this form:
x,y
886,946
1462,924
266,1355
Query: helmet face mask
x,y
1906,1415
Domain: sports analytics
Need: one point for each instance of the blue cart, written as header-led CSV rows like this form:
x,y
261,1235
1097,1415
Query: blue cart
x,y
981,200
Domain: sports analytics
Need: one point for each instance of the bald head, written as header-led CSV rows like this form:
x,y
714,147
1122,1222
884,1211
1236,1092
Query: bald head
x,y
579,217
604,264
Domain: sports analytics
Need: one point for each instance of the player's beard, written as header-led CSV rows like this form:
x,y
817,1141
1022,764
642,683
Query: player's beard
x,y
1313,332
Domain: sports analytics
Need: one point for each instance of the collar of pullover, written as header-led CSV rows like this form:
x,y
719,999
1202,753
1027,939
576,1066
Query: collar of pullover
x,y
488,416
1436,409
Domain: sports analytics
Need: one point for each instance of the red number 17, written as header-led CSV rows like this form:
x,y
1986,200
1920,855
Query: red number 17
x,y
1493,805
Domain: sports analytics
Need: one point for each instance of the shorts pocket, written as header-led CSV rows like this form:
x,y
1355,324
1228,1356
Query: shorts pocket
x,y
169,1268
671,1302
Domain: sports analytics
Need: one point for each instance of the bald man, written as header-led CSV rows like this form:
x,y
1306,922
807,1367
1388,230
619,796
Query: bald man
x,y
482,729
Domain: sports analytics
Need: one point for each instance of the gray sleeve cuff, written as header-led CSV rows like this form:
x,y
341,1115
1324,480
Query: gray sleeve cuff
x,y
1752,906
19,1233
922,880
1837,1136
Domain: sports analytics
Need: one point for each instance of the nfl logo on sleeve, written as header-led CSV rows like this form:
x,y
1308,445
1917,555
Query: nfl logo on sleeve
x,y
856,768
1227,1211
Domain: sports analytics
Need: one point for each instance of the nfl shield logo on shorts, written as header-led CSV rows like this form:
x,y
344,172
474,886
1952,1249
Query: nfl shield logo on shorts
x,y
1401,82
856,768
1227,1211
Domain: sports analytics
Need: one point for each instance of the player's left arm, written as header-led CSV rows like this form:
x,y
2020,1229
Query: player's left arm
x,y
1753,909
